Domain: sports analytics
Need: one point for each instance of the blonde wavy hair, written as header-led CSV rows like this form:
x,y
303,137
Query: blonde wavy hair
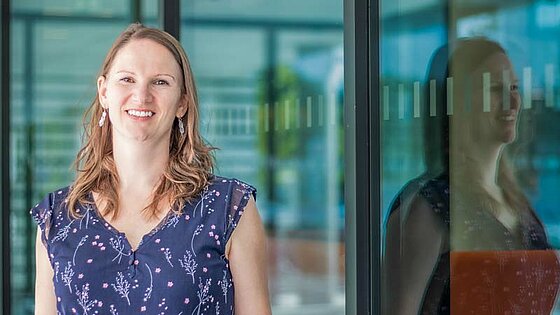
x,y
190,159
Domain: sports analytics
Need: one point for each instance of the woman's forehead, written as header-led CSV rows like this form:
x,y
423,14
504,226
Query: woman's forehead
x,y
144,55
497,67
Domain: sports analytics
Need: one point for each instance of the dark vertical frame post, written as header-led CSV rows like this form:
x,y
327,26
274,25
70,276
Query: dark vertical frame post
x,y
374,117
170,17
271,98
5,158
362,164
29,132
135,11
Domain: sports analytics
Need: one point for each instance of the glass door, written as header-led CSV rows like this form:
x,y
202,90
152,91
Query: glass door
x,y
470,151
270,82
51,83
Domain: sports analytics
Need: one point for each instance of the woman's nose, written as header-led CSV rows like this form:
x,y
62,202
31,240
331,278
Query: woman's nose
x,y
141,94
511,100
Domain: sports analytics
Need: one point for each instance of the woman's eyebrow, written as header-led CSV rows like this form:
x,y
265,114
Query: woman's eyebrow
x,y
125,71
166,75
157,75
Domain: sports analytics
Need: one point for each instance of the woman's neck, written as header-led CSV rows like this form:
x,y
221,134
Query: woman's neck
x,y
476,164
140,165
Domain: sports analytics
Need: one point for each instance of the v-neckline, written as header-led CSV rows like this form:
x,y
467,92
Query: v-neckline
x,y
515,232
109,227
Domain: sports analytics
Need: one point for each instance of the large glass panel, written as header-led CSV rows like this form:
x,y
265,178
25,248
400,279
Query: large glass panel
x,y
471,156
269,77
149,11
52,81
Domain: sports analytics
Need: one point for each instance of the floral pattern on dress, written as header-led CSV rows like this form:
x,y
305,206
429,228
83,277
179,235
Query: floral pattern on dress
x,y
178,268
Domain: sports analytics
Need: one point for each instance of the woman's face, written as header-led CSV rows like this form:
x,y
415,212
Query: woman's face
x,y
142,92
495,102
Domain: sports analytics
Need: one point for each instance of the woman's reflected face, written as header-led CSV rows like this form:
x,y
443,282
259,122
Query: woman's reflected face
x,y
496,102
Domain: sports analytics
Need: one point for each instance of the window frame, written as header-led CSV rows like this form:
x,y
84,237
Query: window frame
x,y
5,159
362,161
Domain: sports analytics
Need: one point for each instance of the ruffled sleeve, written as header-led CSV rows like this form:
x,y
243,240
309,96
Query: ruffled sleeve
x,y
239,195
42,214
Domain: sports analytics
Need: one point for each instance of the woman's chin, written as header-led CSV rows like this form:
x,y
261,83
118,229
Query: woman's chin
x,y
136,137
508,137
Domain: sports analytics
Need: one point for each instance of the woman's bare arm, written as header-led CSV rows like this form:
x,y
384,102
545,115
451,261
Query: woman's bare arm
x,y
412,249
45,300
247,256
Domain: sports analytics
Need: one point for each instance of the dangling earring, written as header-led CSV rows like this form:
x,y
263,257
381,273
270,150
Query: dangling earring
x,y
181,126
102,119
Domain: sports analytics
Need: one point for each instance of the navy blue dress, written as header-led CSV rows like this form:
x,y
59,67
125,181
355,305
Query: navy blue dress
x,y
178,268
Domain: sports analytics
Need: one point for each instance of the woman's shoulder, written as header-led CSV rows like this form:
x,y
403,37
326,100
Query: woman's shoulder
x,y
53,200
230,185
234,195
51,208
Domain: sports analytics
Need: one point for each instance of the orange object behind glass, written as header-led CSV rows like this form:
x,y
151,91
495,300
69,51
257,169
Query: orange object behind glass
x,y
504,282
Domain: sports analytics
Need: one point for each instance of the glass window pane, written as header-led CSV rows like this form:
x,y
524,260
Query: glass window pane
x,y
150,13
265,11
470,157
105,8
52,81
270,83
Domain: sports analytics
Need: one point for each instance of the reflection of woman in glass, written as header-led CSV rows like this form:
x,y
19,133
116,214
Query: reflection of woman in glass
x,y
146,228
468,200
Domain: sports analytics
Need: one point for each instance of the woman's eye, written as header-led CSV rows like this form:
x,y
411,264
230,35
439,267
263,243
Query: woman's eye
x,y
127,80
514,87
161,82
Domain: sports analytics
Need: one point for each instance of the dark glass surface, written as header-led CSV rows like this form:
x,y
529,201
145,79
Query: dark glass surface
x,y
470,156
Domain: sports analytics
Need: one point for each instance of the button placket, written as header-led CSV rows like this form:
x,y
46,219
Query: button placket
x,y
132,264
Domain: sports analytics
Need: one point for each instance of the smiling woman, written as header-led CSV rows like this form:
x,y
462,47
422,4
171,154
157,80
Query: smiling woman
x,y
141,93
146,226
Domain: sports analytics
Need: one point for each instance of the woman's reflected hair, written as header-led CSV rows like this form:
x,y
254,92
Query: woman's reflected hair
x,y
459,60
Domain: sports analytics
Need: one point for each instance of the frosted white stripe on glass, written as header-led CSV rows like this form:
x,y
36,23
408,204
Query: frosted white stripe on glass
x,y
449,83
549,85
309,113
334,106
416,99
506,86
527,88
276,115
321,110
386,102
266,116
230,121
247,119
486,92
433,98
286,114
401,100
298,113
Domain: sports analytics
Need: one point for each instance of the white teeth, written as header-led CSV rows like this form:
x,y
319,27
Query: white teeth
x,y
139,113
508,118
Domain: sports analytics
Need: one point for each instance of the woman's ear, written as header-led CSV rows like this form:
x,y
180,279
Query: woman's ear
x,y
183,106
102,90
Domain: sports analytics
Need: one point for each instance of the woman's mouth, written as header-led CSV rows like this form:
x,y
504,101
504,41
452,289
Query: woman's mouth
x,y
508,118
508,115
140,113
